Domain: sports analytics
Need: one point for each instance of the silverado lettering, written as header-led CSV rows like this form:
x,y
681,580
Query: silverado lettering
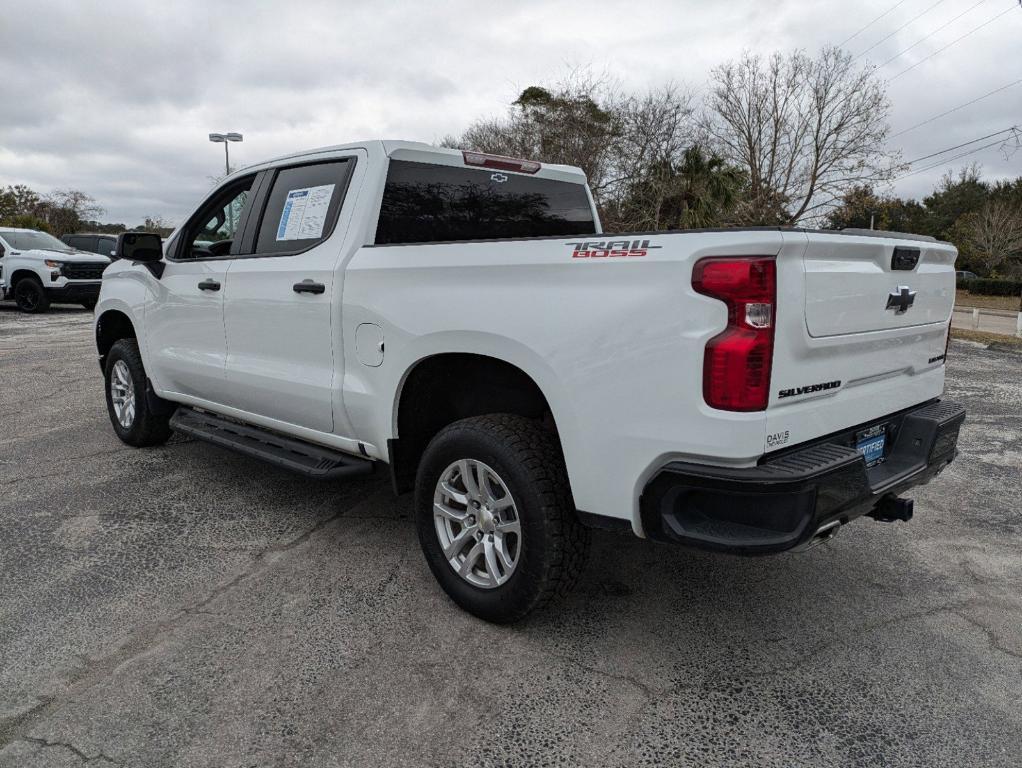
x,y
808,389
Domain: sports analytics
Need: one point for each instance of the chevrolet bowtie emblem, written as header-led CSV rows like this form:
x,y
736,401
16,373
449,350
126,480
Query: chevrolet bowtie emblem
x,y
901,299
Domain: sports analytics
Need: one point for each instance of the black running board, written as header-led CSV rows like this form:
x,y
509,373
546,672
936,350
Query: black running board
x,y
287,452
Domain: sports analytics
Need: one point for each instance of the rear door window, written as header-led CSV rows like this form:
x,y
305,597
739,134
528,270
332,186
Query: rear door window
x,y
302,206
426,203
106,246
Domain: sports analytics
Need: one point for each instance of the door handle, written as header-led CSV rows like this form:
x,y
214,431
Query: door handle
x,y
209,285
308,286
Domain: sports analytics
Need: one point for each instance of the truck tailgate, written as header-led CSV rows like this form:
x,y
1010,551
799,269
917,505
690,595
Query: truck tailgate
x,y
861,329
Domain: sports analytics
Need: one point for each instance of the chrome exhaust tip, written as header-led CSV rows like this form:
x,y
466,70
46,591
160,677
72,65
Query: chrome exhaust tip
x,y
825,532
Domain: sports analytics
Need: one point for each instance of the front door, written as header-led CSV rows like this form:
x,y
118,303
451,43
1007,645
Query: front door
x,y
186,342
283,308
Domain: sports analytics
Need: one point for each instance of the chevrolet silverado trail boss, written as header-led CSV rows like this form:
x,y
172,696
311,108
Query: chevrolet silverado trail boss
x,y
461,318
36,269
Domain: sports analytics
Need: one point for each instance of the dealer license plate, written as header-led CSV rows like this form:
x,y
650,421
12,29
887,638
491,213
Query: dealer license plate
x,y
871,442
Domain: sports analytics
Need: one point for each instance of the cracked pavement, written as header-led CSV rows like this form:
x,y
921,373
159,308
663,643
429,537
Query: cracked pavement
x,y
185,606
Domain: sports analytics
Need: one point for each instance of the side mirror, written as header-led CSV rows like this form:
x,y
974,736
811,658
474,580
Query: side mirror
x,y
141,247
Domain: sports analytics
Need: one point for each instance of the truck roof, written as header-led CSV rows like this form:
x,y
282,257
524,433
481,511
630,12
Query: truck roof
x,y
418,151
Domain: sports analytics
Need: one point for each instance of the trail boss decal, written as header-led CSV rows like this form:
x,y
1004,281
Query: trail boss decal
x,y
808,389
600,249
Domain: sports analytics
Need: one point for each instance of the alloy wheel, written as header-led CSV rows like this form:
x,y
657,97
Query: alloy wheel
x,y
122,394
477,523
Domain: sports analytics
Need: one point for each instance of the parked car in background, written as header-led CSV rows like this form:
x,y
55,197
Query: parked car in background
x,y
462,318
964,274
39,269
93,243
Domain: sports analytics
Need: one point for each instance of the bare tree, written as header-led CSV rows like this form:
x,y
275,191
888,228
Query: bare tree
x,y
804,129
84,206
574,122
155,224
584,121
991,236
656,129
64,210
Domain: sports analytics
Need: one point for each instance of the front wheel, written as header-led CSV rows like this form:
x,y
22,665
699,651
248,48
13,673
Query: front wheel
x,y
30,296
495,516
130,413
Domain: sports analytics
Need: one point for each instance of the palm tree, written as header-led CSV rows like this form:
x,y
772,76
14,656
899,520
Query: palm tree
x,y
699,191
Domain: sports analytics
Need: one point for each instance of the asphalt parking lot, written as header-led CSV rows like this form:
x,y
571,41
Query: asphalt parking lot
x,y
184,606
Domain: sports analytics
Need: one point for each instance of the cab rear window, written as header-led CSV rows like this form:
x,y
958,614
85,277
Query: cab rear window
x,y
426,203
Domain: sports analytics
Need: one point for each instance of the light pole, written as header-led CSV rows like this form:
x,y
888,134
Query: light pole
x,y
225,138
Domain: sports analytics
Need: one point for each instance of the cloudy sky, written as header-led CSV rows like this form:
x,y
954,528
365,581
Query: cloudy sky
x,y
117,98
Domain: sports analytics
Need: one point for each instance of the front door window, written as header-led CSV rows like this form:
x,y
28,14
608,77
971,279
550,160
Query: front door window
x,y
214,229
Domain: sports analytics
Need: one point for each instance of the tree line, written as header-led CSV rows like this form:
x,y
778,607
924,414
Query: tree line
x,y
62,212
983,219
779,140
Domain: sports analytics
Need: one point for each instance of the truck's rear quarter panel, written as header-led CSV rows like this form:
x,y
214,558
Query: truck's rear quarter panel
x,y
616,345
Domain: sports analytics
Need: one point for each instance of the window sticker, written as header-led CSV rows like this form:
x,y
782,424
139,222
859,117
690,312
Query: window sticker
x,y
304,214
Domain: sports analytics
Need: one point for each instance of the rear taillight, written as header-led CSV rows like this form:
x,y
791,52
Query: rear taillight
x,y
500,162
947,343
736,365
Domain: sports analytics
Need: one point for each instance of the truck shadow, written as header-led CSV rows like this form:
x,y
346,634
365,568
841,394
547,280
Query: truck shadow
x,y
10,308
648,585
639,605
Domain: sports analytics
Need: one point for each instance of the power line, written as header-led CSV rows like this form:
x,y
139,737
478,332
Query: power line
x,y
957,39
955,109
959,146
941,28
848,39
952,159
892,34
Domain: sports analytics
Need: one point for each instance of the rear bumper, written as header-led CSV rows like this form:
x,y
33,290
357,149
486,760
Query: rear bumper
x,y
782,503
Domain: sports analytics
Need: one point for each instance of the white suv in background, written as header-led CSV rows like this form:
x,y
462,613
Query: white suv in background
x,y
37,269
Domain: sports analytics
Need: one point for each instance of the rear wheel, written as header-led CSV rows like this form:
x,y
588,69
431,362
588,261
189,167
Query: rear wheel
x,y
30,296
133,419
495,516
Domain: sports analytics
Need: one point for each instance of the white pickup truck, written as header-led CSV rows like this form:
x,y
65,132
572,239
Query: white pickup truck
x,y
461,318
36,269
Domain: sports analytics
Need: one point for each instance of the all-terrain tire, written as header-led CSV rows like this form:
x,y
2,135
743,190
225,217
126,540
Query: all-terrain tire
x,y
554,545
146,427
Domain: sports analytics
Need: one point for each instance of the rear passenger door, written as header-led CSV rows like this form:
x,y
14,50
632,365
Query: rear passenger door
x,y
282,312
